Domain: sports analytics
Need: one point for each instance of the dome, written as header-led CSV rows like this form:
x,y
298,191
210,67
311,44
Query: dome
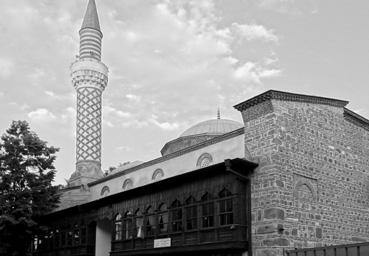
x,y
200,132
212,127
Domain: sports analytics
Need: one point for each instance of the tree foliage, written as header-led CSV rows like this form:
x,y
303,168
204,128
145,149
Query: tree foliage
x,y
26,192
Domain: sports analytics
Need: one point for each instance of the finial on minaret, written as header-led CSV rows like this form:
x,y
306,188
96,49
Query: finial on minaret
x,y
90,33
218,113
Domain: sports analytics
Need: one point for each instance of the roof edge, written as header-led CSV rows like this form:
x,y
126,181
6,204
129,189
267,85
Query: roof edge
x,y
203,144
355,118
288,96
236,164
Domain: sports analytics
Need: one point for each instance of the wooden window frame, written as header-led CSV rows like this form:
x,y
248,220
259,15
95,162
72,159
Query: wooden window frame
x,y
127,226
150,217
191,214
207,211
176,216
163,215
118,225
225,208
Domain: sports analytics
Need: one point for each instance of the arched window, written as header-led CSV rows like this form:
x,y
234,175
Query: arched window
x,y
118,227
127,225
150,221
207,211
204,160
127,184
139,224
191,213
163,218
63,238
83,234
158,174
51,239
176,216
76,235
56,238
225,207
35,243
105,191
69,238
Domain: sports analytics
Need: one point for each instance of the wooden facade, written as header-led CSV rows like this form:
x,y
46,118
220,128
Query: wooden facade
x,y
205,211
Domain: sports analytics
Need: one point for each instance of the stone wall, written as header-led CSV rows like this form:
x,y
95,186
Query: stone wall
x,y
312,185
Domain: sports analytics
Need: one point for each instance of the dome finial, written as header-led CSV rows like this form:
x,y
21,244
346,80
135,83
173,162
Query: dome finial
x,y
218,113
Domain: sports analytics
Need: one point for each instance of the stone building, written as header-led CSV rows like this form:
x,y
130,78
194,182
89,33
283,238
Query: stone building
x,y
294,174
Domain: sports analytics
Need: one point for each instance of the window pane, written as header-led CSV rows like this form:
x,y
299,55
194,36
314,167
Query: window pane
x,y
139,227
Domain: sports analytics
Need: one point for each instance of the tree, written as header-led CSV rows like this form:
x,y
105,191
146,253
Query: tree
x,y
26,192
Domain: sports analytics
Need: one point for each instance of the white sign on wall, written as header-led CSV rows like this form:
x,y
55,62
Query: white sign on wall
x,y
164,242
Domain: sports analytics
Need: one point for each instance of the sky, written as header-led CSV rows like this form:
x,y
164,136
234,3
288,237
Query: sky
x,y
174,63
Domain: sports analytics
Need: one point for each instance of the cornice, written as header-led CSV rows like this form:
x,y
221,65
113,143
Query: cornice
x,y
287,96
203,144
356,119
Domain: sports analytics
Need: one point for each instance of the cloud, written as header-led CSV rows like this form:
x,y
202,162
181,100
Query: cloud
x,y
166,126
290,7
124,148
178,70
41,115
133,97
254,72
268,73
6,67
171,62
68,114
50,93
254,32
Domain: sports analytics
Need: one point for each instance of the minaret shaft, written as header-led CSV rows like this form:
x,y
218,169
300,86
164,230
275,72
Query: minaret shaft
x,y
89,78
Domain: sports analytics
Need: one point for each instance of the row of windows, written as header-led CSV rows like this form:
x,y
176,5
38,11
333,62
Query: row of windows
x,y
191,215
61,238
128,183
204,160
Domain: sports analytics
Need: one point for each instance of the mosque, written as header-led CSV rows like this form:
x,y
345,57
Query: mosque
x,y
294,174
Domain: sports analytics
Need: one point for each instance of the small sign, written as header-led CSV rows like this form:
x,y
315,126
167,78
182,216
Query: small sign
x,y
164,242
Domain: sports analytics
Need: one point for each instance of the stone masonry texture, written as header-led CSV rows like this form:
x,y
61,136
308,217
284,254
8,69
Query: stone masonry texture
x,y
312,184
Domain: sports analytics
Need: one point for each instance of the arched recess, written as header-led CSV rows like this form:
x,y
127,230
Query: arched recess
x,y
127,184
207,211
304,191
204,160
105,191
157,174
163,218
118,227
190,213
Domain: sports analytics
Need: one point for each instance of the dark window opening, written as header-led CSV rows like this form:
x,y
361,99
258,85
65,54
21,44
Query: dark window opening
x,y
83,235
118,227
191,213
225,207
150,222
127,228
139,222
207,212
176,216
163,218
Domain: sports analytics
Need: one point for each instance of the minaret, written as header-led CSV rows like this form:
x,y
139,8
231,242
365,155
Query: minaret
x,y
89,78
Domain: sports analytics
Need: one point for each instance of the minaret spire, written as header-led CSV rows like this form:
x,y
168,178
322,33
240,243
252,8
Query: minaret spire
x,y
218,113
89,78
91,19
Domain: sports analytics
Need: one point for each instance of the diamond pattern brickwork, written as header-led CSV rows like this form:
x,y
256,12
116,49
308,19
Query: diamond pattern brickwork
x,y
88,124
